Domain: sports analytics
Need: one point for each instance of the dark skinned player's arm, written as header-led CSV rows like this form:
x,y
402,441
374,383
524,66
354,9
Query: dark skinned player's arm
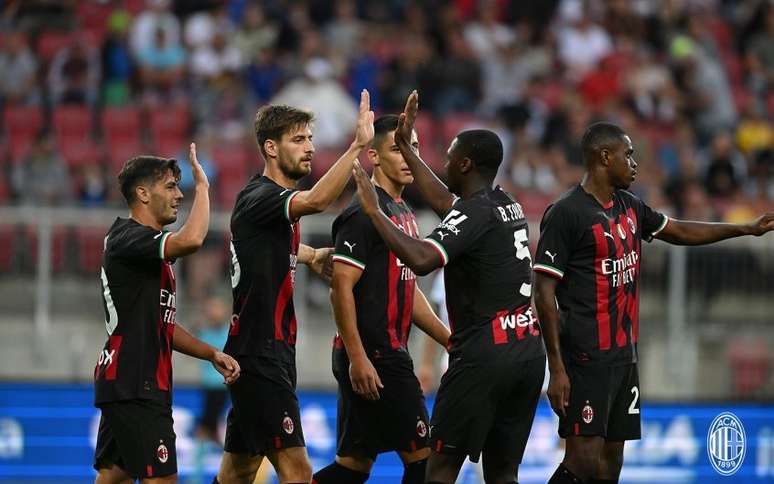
x,y
682,232
433,190
548,313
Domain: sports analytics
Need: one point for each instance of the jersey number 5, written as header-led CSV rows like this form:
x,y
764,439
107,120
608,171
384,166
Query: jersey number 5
x,y
520,241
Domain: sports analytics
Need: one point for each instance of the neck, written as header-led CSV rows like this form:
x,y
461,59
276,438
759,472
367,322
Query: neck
x,y
475,185
143,217
273,172
598,187
395,190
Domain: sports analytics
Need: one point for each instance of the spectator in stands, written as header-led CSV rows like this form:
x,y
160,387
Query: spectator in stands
x,y
263,75
334,110
760,58
74,74
257,34
582,44
42,177
410,69
486,35
345,30
18,82
117,63
650,90
211,61
458,76
162,67
723,167
144,30
201,27
93,189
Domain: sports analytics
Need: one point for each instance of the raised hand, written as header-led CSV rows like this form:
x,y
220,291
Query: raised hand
x,y
365,190
364,132
763,224
199,177
407,118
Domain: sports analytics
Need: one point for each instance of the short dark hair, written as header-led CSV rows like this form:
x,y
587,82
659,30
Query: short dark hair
x,y
483,147
274,120
382,126
599,136
144,169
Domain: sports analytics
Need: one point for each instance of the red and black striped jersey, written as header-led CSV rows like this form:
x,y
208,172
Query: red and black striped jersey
x,y
264,252
595,252
483,242
384,294
139,299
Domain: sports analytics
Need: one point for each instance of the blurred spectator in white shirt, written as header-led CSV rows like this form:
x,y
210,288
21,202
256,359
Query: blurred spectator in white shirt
x,y
19,70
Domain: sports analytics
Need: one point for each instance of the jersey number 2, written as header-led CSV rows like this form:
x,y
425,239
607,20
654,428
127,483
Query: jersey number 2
x,y
520,240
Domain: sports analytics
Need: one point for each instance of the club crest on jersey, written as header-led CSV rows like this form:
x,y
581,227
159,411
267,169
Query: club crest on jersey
x,y
632,226
162,453
587,413
287,425
421,428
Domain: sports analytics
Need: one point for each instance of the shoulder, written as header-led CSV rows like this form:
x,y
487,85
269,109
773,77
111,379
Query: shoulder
x,y
629,196
352,214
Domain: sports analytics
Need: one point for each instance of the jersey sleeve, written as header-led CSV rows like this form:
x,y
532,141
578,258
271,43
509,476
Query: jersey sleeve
x,y
460,229
353,239
556,241
141,242
653,222
269,204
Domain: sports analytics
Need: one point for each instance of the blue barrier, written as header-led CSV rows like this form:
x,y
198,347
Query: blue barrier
x,y
47,434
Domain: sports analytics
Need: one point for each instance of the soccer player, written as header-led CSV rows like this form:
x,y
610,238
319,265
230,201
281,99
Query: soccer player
x,y
133,376
588,261
487,399
375,298
265,418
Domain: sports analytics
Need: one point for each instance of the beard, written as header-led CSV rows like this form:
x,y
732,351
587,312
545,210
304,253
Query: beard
x,y
295,171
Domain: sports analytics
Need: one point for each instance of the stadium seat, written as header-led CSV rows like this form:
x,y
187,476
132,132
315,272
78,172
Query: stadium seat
x,y
170,124
72,124
228,158
22,125
58,243
7,247
121,125
452,124
118,153
229,185
81,154
90,241
49,43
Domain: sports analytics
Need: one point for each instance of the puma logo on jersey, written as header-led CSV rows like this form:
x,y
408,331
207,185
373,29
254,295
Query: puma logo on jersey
x,y
158,235
552,256
350,246
284,191
608,234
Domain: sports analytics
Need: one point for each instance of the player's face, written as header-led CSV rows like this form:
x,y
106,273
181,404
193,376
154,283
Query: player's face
x,y
391,162
165,196
453,175
295,151
623,168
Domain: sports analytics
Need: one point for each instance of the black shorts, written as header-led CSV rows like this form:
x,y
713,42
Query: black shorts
x,y
486,408
398,421
604,401
137,436
265,413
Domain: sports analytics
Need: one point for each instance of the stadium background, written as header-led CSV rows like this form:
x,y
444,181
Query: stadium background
x,y
86,84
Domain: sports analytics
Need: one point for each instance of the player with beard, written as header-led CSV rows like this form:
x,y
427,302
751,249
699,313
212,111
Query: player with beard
x,y
487,399
588,262
265,247
375,299
133,375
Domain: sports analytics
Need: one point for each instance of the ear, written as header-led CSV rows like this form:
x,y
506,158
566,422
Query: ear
x,y
466,164
604,157
271,148
143,194
373,156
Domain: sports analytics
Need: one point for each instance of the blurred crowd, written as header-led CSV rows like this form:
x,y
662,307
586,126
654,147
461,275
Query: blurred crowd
x,y
86,84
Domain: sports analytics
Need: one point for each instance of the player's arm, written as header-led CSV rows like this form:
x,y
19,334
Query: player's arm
x,y
548,313
329,186
191,235
425,319
186,343
420,256
426,368
365,380
681,232
318,260
435,192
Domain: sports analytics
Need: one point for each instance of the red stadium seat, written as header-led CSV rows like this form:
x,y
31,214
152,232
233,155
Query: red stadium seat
x,y
22,125
452,124
118,153
49,43
81,154
228,158
58,242
72,124
7,247
228,187
170,124
121,125
90,242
